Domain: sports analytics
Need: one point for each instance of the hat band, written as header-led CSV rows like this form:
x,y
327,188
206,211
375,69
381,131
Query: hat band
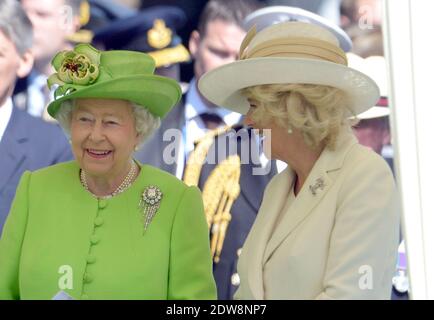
x,y
297,47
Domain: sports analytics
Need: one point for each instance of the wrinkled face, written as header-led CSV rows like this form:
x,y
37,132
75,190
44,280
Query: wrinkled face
x,y
52,22
12,65
218,46
276,139
372,133
103,136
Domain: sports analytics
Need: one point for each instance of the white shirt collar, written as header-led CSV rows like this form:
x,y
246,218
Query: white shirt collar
x,y
5,116
37,98
194,128
37,79
195,106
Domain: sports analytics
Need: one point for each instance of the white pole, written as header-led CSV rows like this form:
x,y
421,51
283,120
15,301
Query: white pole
x,y
409,51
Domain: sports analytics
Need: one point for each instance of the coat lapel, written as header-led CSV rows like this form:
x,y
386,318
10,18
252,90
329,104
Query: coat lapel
x,y
253,186
274,198
303,205
313,191
12,150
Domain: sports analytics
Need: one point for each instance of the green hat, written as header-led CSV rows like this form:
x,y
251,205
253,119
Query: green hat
x,y
87,72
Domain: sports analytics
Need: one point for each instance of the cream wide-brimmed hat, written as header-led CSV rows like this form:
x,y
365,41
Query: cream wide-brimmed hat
x,y
288,53
375,67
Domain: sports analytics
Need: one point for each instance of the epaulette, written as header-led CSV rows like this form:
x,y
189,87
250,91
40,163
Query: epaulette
x,y
83,35
197,157
220,191
221,188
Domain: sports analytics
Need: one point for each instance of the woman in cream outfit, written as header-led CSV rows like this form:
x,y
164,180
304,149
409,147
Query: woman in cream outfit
x,y
328,225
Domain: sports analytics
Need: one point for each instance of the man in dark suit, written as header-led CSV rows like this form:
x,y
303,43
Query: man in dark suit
x,y
26,143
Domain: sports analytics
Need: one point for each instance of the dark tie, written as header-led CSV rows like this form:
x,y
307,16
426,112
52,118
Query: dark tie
x,y
211,120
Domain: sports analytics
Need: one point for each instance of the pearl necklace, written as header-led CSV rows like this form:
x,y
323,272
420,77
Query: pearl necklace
x,y
122,187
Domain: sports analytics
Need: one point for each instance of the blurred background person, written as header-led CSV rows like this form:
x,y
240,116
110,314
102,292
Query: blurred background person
x,y
362,20
135,4
53,22
329,9
373,131
26,143
95,15
57,26
366,14
154,31
192,9
214,43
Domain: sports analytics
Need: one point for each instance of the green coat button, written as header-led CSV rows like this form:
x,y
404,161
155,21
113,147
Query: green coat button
x,y
94,239
88,278
91,259
99,221
102,203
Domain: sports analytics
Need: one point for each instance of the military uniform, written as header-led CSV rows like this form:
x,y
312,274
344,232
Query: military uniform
x,y
152,31
245,205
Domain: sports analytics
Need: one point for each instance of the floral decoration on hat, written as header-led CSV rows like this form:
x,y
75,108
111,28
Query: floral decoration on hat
x,y
77,67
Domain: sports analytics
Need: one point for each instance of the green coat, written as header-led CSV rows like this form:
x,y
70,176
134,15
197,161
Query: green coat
x,y
59,237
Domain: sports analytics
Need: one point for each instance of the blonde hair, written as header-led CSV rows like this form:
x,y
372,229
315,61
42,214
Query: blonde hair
x,y
318,111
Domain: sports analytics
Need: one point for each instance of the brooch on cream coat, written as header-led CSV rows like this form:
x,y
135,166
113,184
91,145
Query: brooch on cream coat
x,y
319,184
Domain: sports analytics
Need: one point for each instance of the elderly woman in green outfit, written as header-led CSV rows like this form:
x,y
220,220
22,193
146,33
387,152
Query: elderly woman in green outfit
x,y
104,226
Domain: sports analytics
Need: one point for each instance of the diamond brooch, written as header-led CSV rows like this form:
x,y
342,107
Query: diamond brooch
x,y
150,202
319,184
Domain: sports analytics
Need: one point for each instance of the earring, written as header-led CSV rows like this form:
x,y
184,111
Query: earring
x,y
136,148
70,141
289,130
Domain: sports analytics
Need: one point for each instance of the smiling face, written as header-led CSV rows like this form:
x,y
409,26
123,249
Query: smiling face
x,y
103,136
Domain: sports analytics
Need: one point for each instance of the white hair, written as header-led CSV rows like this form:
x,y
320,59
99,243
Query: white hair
x,y
146,123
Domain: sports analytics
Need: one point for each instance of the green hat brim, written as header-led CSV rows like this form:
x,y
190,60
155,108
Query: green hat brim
x,y
157,94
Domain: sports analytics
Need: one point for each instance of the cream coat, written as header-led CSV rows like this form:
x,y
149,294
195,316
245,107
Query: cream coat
x,y
340,243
